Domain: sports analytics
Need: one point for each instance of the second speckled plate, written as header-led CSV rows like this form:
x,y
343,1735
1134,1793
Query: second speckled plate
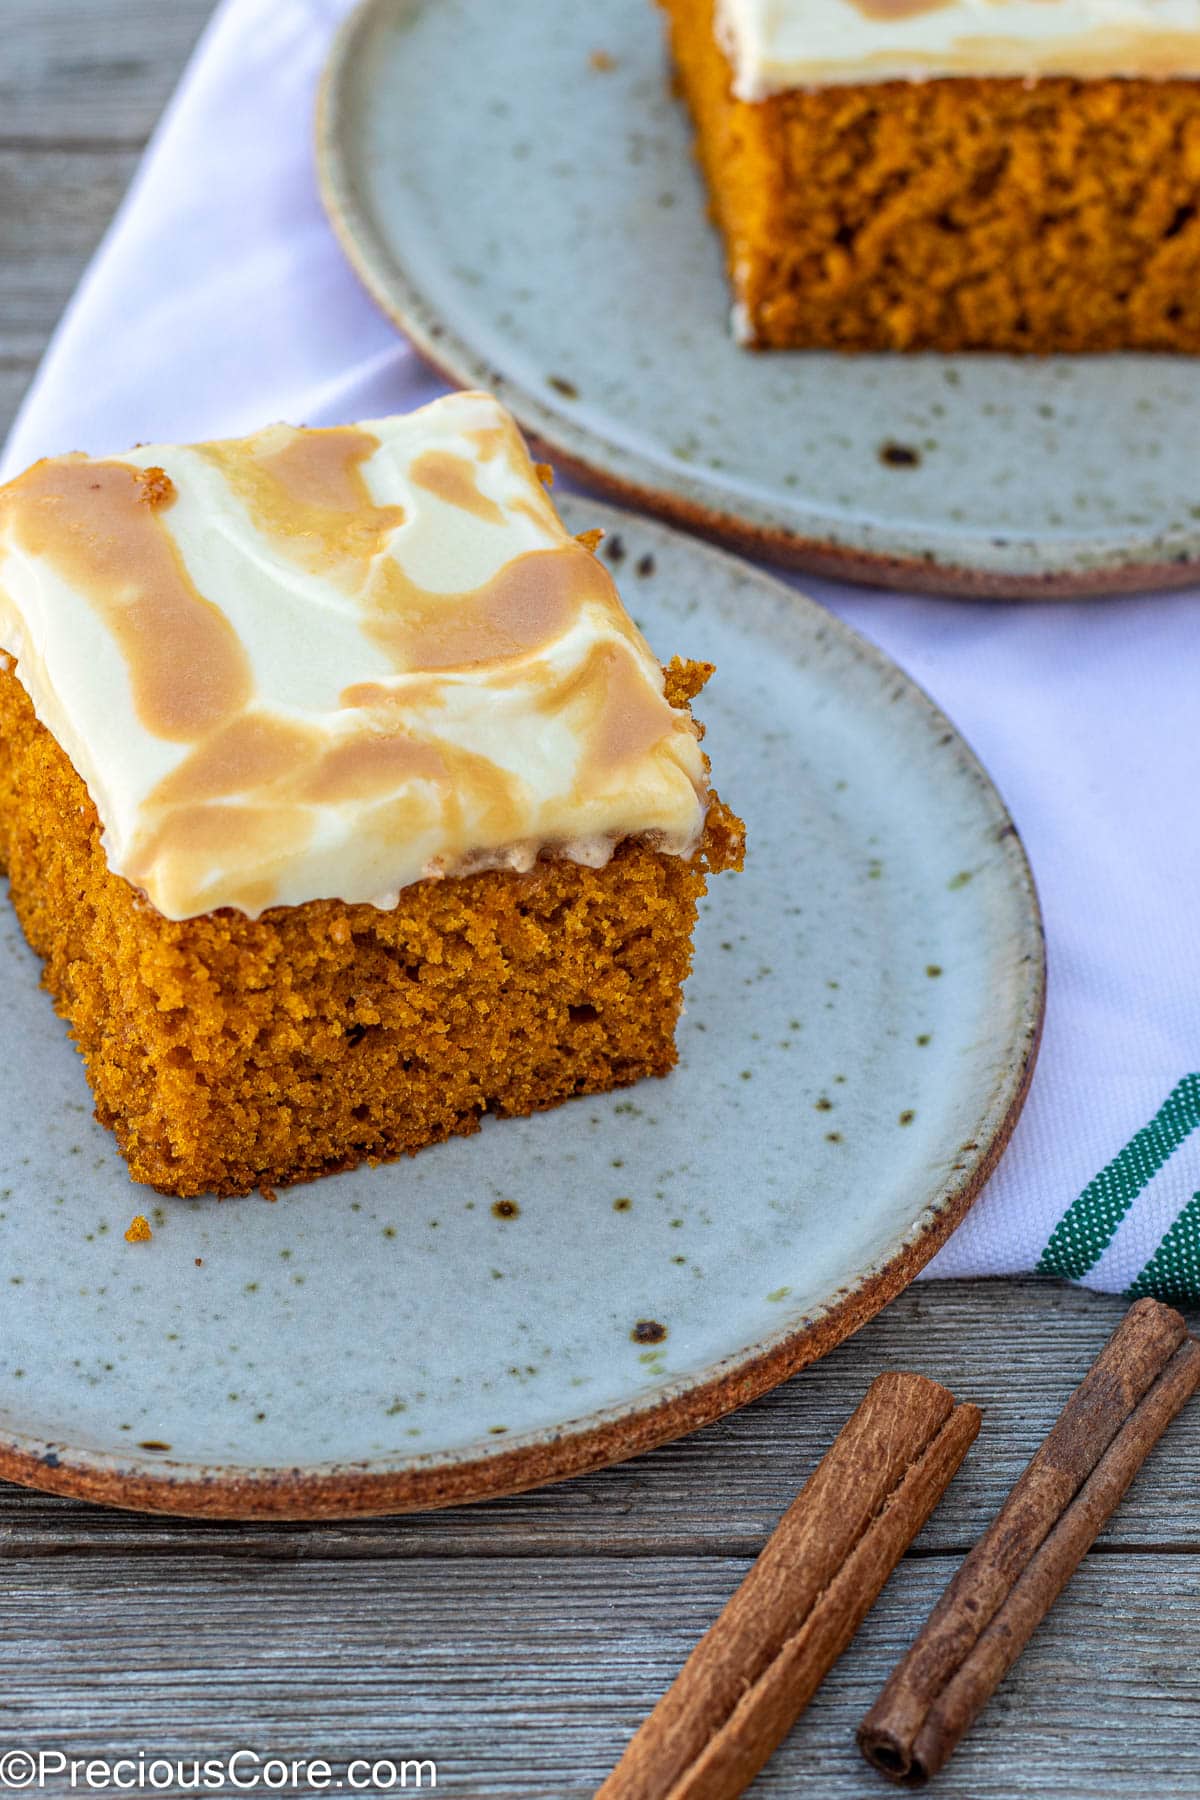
x,y
563,1291
529,212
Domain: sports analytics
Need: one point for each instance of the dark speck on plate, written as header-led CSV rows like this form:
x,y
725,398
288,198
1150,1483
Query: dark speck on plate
x,y
899,456
562,386
648,1331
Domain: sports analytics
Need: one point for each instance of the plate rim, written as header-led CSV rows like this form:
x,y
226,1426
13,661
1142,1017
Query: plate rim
x,y
423,1481
700,505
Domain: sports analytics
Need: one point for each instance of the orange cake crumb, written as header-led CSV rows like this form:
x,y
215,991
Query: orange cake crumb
x,y
157,488
138,1231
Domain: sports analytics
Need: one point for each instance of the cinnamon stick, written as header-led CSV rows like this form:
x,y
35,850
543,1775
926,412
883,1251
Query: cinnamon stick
x,y
1140,1381
754,1672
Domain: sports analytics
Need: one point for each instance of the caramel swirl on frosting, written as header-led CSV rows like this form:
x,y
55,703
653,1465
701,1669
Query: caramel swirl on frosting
x,y
97,525
305,491
775,45
326,664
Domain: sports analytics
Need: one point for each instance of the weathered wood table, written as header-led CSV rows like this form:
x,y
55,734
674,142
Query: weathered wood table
x,y
519,1643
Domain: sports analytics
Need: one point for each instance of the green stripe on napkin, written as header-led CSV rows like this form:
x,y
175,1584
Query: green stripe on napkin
x,y
1173,1272
1087,1227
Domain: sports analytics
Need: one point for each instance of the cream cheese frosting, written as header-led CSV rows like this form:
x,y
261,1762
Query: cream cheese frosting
x,y
325,664
774,45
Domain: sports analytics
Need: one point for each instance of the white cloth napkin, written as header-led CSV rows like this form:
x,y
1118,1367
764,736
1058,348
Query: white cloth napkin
x,y
219,300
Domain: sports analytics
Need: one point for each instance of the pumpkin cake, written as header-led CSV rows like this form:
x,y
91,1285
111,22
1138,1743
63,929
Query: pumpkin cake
x,y
1018,175
339,793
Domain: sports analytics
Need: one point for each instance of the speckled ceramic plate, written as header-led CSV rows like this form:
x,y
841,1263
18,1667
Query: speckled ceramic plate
x,y
558,1292
536,224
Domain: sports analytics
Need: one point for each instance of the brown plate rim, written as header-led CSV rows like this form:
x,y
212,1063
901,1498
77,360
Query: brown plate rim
x,y
418,1483
693,502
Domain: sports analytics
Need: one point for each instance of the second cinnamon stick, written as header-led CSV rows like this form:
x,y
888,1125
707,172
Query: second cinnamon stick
x,y
1142,1378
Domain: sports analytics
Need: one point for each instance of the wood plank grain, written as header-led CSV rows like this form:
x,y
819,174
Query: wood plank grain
x,y
525,1679
15,376
1017,1348
54,206
82,70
